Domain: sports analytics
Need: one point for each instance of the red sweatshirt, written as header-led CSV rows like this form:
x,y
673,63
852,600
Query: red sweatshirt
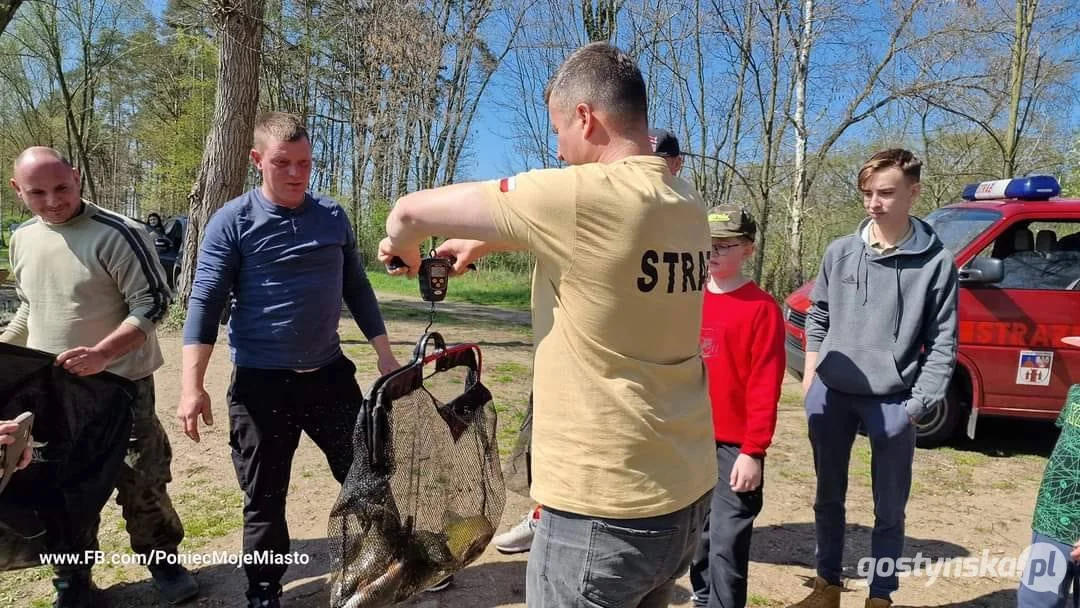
x,y
742,341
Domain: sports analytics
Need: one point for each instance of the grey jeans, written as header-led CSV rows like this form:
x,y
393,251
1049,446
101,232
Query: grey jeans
x,y
585,562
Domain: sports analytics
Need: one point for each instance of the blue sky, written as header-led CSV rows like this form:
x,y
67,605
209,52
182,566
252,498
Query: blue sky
x,y
492,152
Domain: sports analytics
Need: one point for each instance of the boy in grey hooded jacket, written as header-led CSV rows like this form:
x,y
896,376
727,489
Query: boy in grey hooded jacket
x,y
881,340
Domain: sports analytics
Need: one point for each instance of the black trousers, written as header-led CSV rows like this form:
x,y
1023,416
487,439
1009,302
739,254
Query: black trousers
x,y
526,430
267,411
721,563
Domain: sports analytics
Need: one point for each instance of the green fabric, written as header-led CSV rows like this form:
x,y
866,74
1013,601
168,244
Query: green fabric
x,y
1057,509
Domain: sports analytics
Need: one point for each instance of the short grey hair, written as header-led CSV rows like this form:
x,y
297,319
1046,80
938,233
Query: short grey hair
x,y
604,77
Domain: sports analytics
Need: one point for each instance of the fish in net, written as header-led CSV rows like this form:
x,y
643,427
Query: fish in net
x,y
425,491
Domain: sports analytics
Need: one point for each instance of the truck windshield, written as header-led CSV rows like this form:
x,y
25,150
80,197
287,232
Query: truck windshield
x,y
956,227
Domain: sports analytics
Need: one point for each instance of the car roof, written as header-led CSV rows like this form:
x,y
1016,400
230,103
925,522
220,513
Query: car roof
x,y
1013,206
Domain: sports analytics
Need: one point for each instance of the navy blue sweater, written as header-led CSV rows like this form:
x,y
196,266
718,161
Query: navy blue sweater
x,y
289,270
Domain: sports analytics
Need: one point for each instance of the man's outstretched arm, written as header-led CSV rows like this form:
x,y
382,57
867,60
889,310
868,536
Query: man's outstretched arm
x,y
459,211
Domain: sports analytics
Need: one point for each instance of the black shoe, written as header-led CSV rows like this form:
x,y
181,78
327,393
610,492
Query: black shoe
x,y
75,589
174,582
264,595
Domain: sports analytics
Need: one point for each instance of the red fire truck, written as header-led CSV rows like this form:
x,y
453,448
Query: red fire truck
x,y
1017,247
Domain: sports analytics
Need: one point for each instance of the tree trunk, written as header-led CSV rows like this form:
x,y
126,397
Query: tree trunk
x,y
737,106
798,199
599,21
224,161
7,12
773,130
1025,17
48,19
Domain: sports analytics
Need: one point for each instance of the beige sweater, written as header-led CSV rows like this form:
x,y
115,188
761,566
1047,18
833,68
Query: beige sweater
x,y
78,281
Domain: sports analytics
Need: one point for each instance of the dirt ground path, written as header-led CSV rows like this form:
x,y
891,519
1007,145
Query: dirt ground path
x,y
973,498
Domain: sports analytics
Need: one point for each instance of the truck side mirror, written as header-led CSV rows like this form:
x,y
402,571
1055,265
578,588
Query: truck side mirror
x,y
982,271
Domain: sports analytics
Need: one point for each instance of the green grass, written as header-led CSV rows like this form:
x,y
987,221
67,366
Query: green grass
x,y
791,398
497,288
966,459
798,476
175,320
209,513
4,256
489,287
860,459
962,464
509,372
13,584
511,415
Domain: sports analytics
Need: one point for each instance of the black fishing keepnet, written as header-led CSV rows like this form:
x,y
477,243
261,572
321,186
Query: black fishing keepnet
x,y
425,491
54,504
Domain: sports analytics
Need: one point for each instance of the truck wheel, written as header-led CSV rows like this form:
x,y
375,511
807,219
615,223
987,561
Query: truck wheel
x,y
938,425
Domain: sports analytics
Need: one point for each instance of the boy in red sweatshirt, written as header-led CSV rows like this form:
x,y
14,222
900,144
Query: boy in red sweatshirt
x,y
742,341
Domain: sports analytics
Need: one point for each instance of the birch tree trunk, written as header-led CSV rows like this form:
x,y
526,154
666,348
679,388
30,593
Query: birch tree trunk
x,y
798,199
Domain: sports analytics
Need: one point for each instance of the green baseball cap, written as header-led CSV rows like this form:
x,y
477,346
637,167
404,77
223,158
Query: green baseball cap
x,y
727,221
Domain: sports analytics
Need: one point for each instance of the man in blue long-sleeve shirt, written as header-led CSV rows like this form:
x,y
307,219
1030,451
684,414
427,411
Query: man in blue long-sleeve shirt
x,y
289,258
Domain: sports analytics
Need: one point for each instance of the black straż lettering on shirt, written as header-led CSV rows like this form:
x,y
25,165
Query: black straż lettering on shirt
x,y
688,271
671,258
648,268
694,273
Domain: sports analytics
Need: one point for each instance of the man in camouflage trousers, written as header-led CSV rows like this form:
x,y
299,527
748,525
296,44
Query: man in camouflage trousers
x,y
92,290
151,521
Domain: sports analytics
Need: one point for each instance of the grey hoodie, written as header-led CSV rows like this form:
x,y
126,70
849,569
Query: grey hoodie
x,y
885,324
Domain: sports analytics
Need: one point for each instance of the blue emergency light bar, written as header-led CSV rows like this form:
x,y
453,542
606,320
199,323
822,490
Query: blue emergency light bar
x,y
1030,188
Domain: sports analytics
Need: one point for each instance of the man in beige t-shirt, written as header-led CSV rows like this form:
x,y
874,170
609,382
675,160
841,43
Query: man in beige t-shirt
x,y
623,451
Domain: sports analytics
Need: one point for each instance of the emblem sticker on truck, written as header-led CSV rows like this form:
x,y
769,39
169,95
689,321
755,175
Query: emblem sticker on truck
x,y
1034,367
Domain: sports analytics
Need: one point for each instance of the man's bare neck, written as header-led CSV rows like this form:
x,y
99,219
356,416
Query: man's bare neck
x,y
619,149
890,234
727,284
270,197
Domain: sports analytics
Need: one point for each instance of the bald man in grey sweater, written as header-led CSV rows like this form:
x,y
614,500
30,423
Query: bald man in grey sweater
x,y
92,290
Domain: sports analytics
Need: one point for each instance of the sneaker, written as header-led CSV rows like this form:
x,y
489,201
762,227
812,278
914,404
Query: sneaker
x,y
174,582
442,585
519,538
824,595
264,595
878,602
75,589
